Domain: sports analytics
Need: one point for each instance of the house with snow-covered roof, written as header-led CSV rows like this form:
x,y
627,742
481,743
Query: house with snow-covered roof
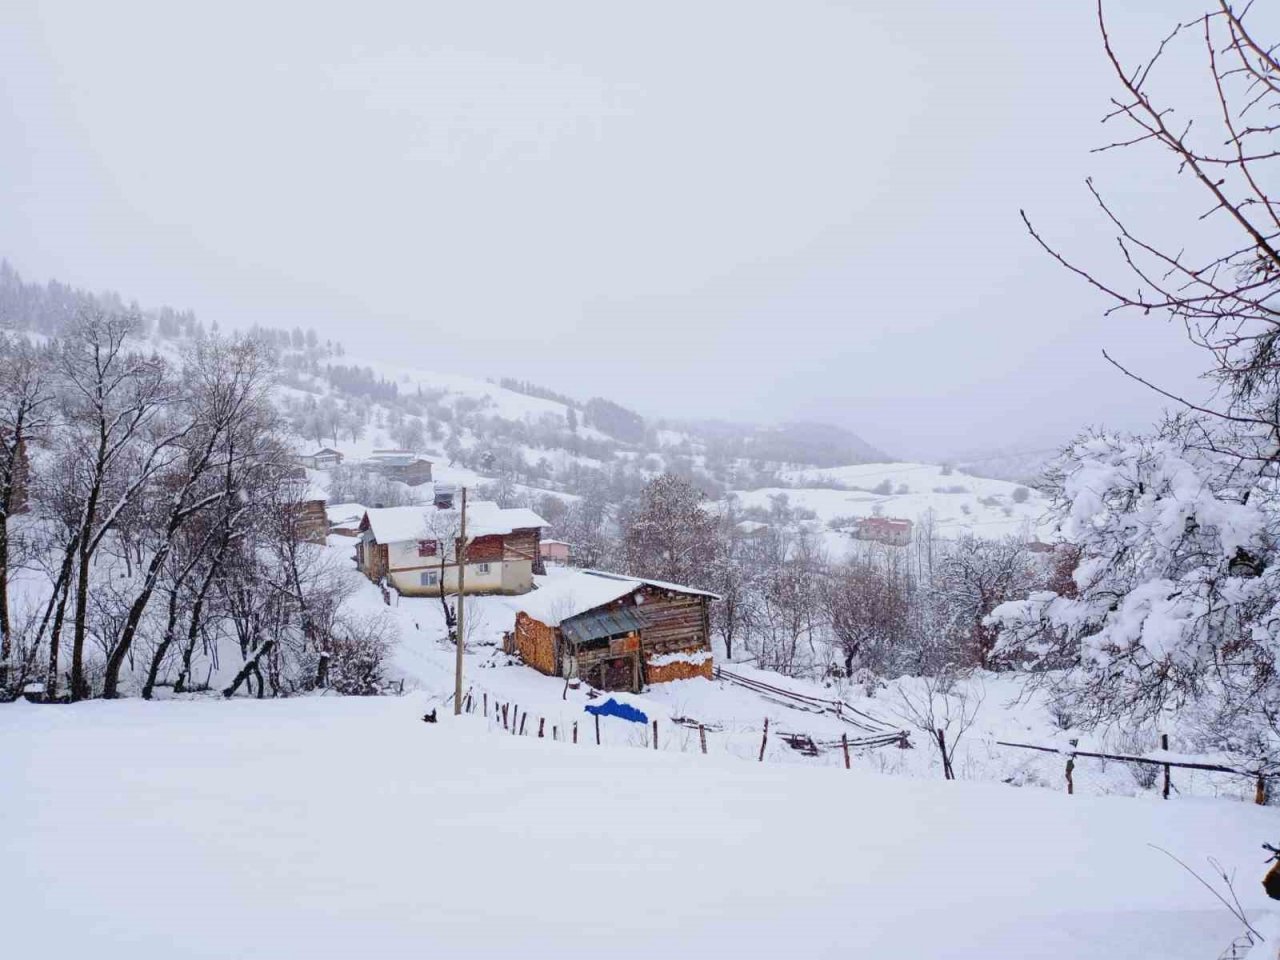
x,y
416,549
613,631
403,465
323,459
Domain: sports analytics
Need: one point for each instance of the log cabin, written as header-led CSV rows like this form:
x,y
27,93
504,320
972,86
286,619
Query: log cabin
x,y
415,549
613,631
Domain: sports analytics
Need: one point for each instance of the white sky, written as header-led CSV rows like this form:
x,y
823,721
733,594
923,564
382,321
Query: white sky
x,y
707,209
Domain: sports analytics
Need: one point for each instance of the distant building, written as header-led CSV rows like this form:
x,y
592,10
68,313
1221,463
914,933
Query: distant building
x,y
322,459
555,551
615,632
894,532
402,465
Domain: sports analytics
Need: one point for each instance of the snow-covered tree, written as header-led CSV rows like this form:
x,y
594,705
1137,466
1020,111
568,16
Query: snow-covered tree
x,y
1176,603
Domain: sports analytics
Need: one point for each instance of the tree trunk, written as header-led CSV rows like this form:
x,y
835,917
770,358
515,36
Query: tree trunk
x,y
111,679
80,628
250,667
55,637
6,643
162,649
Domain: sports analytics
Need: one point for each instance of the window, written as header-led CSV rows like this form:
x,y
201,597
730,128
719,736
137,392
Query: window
x,y
426,548
482,568
430,578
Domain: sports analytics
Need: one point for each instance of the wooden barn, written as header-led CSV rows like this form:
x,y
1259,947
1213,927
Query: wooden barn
x,y
614,632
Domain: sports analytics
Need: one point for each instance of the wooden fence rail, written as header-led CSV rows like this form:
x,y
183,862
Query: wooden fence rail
x,y
1259,777
838,708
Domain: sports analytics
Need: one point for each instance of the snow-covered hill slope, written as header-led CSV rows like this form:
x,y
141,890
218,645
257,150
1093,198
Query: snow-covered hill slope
x,y
956,502
344,827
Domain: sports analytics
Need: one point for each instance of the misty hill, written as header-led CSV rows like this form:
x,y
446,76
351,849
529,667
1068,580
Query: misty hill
x,y
511,430
805,444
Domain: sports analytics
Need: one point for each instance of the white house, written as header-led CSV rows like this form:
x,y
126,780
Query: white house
x,y
416,548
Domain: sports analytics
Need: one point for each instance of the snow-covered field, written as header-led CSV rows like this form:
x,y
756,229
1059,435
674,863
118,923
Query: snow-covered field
x,y
330,827
960,503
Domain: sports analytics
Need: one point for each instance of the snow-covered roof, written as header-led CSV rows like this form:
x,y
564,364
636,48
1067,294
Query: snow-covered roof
x,y
484,518
659,584
571,593
343,513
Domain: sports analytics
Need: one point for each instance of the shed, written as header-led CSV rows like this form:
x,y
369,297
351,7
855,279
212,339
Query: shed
x,y
614,631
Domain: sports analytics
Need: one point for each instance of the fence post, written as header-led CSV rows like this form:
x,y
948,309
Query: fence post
x,y
1164,745
946,761
523,718
486,703
702,737
575,731
555,732
597,729
844,742
504,716
655,734
541,723
764,739
1071,769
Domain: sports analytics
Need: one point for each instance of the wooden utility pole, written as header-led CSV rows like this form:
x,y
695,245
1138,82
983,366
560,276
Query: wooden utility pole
x,y
462,593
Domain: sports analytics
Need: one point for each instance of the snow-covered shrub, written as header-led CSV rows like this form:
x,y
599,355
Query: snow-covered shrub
x,y
1020,495
355,656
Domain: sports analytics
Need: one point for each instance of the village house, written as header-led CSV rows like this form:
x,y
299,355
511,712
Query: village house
x,y
416,548
402,465
323,459
614,632
555,552
895,533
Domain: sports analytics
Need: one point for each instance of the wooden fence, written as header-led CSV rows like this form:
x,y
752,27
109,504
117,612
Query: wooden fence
x,y
1259,776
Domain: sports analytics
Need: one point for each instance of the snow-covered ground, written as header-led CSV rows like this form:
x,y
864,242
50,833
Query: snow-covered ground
x,y
329,827
734,716
960,503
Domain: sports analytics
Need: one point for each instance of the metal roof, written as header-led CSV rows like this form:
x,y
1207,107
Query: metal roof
x,y
597,626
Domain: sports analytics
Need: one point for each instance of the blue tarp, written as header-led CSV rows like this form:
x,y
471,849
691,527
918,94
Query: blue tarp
x,y
612,708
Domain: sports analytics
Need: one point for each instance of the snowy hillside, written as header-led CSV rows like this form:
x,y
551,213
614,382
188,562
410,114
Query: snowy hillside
x,y
955,503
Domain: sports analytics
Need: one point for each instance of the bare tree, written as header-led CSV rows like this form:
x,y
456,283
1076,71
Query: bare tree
x,y
867,602
1220,276
227,384
116,404
25,415
945,708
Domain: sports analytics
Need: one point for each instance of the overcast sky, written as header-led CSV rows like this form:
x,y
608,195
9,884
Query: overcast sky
x,y
706,209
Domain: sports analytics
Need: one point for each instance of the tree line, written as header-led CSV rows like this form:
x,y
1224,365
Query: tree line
x,y
154,526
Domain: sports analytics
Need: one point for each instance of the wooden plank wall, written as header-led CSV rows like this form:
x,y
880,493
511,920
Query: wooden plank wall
x,y
673,622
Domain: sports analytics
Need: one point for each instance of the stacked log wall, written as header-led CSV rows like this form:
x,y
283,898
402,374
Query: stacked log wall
x,y
536,643
680,669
